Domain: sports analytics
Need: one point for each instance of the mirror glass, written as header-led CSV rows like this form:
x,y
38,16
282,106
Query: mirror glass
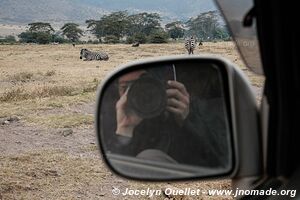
x,y
167,120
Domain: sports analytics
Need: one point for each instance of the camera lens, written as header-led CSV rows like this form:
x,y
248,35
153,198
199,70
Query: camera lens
x,y
147,97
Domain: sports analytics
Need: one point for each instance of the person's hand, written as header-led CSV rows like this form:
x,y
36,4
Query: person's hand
x,y
126,122
178,101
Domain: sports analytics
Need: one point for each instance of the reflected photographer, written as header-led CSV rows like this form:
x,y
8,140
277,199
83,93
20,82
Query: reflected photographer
x,y
143,96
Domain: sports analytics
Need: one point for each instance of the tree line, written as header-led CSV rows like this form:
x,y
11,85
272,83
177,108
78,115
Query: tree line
x,y
121,27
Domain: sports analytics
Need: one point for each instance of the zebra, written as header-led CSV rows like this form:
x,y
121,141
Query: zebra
x,y
190,44
89,55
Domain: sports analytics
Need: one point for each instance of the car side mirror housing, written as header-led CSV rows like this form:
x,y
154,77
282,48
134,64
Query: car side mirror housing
x,y
178,118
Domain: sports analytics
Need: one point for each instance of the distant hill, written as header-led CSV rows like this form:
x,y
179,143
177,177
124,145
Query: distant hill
x,y
56,11
61,11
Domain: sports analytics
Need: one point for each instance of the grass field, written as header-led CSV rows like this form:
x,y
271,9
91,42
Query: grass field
x,y
38,77
49,89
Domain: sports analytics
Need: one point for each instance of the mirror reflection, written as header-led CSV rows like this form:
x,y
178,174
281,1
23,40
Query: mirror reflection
x,y
166,120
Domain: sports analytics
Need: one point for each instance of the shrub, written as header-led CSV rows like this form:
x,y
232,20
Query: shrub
x,y
35,37
48,91
14,95
8,39
21,77
43,38
50,73
27,37
95,42
111,39
158,37
129,40
59,39
138,37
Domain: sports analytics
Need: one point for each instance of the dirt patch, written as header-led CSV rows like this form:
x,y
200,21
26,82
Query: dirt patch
x,y
44,164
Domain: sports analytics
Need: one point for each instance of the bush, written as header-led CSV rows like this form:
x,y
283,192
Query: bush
x,y
228,39
43,38
111,39
35,37
158,37
8,39
50,73
221,33
21,77
93,41
27,37
176,32
129,40
14,95
59,39
138,37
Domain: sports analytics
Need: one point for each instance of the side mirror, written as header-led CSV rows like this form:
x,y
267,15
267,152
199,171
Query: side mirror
x,y
173,118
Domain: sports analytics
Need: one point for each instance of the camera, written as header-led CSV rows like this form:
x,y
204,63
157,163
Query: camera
x,y
147,97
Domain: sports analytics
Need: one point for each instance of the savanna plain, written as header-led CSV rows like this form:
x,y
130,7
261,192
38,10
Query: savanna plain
x,y
48,147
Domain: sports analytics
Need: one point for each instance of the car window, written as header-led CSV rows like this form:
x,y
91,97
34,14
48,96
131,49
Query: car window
x,y
235,12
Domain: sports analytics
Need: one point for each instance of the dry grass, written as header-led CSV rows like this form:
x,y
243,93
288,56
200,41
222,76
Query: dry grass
x,y
33,65
50,73
31,73
40,71
21,77
46,169
20,93
33,176
66,120
32,106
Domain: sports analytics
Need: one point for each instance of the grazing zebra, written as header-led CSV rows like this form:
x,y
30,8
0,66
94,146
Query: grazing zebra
x,y
136,44
190,44
89,55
